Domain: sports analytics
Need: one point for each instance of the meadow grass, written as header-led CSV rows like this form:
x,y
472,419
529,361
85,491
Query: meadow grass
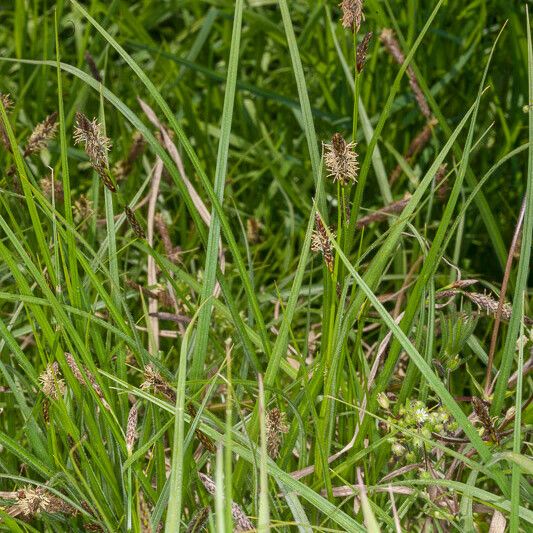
x,y
265,265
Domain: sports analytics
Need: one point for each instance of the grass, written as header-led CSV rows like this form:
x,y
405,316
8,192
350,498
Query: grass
x,y
244,335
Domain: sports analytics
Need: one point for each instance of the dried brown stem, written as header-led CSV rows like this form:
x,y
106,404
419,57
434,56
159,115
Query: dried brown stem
x,y
503,292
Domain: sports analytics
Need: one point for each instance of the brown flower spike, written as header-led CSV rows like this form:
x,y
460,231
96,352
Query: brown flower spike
x,y
135,226
362,50
340,158
389,40
320,243
276,426
96,146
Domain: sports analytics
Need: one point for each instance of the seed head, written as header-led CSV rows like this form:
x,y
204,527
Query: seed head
x,y
320,243
481,408
352,14
31,501
96,146
276,426
134,223
42,134
6,100
242,523
487,303
341,160
91,63
154,380
362,50
389,40
131,429
198,521
51,382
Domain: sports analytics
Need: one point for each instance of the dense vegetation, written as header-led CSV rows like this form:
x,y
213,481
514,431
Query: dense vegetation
x,y
232,299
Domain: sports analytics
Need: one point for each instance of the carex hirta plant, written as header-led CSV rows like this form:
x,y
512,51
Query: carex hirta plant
x,y
264,266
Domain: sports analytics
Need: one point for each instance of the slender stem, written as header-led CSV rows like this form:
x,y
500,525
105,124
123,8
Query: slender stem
x,y
503,292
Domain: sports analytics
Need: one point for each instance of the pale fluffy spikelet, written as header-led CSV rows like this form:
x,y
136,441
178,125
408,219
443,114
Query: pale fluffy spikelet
x,y
6,100
131,428
487,303
51,382
320,243
352,14
276,426
340,158
96,144
31,501
154,380
41,135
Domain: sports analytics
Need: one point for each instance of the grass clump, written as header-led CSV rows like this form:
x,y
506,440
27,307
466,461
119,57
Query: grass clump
x,y
173,356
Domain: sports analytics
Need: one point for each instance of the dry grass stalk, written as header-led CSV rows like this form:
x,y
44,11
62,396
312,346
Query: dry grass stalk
x,y
242,523
41,135
91,63
134,223
416,146
96,146
200,435
276,426
198,521
384,213
352,14
154,380
172,252
389,40
320,243
79,376
340,158
123,168
362,50
131,428
52,384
